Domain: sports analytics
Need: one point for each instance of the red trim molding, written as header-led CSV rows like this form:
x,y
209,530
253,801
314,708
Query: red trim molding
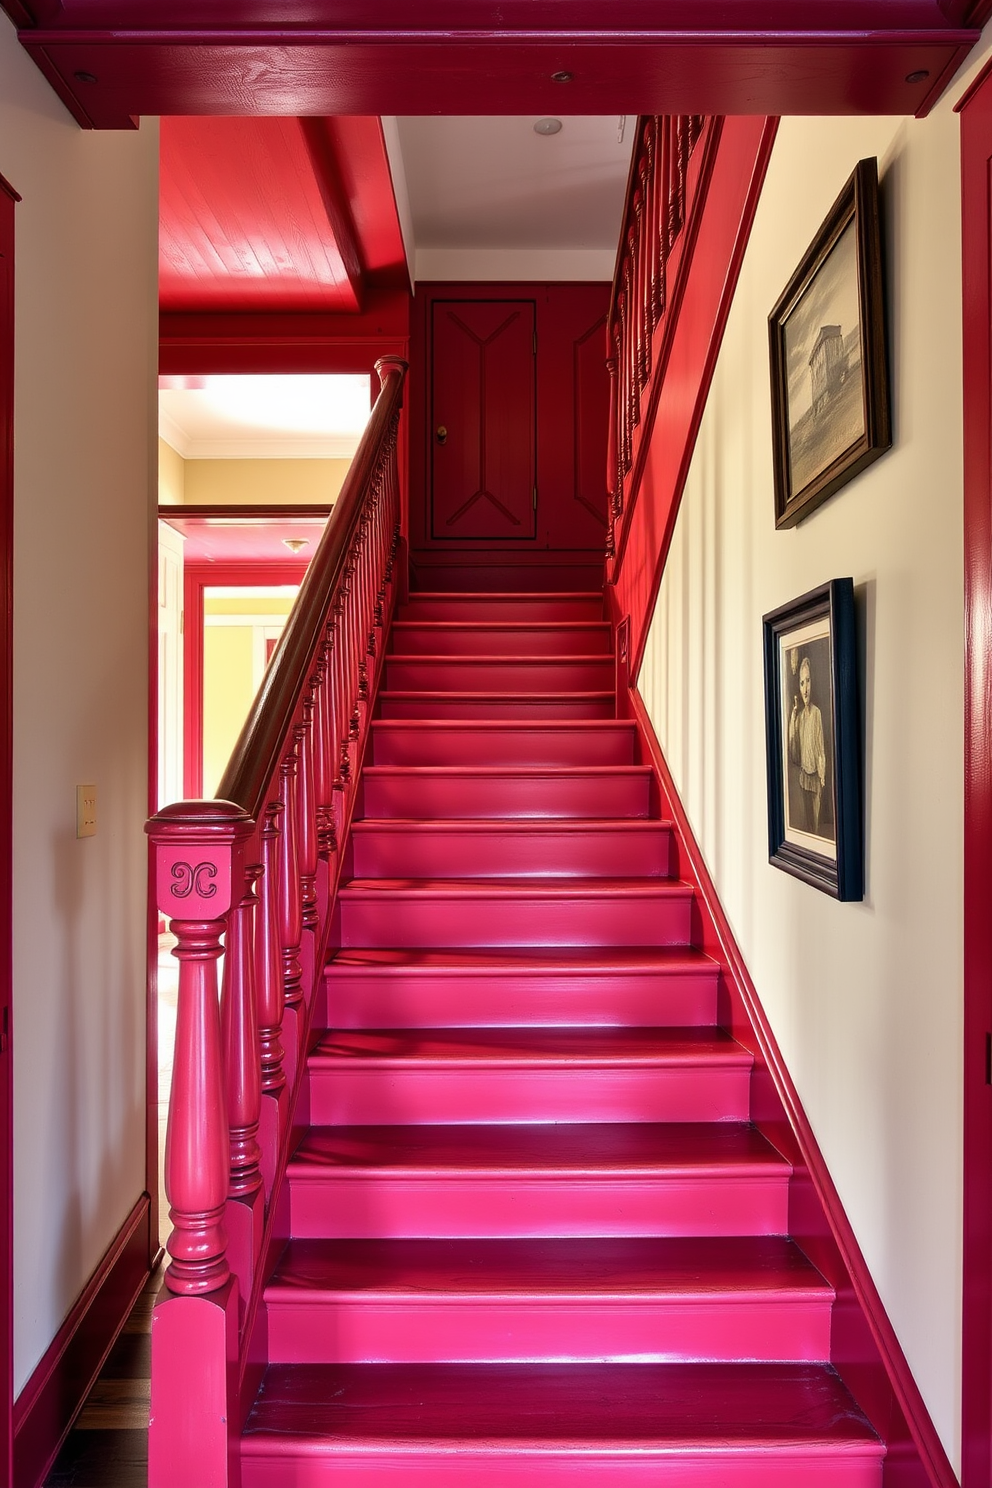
x,y
714,251
192,343
8,198
864,1347
49,1402
976,199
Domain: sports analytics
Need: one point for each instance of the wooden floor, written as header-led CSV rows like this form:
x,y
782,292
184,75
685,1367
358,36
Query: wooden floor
x,y
108,1446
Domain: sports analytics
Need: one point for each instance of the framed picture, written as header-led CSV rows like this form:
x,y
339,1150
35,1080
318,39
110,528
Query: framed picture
x,y
813,741
830,390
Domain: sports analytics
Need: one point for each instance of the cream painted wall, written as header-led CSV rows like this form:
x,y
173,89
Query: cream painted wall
x,y
865,999
86,354
255,482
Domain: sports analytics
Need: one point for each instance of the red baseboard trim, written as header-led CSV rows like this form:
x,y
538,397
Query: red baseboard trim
x,y
865,1351
50,1401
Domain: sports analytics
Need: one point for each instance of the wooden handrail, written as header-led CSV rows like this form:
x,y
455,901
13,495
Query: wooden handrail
x,y
254,756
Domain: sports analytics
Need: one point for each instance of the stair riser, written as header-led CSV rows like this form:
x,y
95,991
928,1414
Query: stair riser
x,y
512,1467
441,1330
500,640
600,852
479,675
477,1000
378,918
340,1095
468,796
449,705
394,744
512,609
355,1205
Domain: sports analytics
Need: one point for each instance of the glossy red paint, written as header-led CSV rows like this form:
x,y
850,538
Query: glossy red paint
x,y
8,199
247,342
704,276
566,410
233,535
477,58
244,219
482,426
976,161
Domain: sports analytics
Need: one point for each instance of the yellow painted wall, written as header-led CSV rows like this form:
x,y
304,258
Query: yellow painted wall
x,y
171,475
227,695
261,482
228,675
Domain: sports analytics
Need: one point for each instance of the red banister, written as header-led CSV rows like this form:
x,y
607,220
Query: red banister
x,y
257,870
658,206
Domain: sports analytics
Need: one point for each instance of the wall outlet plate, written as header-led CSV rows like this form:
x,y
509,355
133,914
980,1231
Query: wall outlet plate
x,y
85,810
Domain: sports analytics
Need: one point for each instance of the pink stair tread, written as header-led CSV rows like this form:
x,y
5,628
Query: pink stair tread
x,y
535,1241
554,1150
544,1047
721,1408
632,1266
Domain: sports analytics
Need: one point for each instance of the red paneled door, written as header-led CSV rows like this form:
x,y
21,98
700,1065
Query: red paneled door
x,y
484,420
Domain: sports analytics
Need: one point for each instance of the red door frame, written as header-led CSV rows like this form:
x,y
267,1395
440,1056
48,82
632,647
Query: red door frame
x,y
976,224
8,197
196,578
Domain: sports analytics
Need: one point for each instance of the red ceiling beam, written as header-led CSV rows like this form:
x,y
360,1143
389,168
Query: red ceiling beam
x,y
480,57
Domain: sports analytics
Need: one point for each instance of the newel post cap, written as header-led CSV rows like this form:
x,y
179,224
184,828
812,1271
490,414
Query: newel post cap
x,y
198,845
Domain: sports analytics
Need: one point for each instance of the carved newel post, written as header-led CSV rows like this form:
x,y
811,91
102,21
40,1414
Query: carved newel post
x,y
199,873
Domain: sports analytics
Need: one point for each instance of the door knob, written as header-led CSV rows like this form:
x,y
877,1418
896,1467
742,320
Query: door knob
x,y
442,434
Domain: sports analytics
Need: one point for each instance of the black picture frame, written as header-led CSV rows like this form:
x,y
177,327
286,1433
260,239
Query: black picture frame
x,y
829,376
813,740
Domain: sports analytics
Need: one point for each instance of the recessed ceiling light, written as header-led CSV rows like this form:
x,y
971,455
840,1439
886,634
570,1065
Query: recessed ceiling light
x,y
918,77
294,544
548,126
85,77
561,77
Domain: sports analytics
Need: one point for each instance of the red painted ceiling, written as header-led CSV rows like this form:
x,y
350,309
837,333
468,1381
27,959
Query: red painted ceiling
x,y
275,214
244,539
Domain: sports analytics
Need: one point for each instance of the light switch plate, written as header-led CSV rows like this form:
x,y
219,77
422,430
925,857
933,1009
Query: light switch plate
x,y
85,810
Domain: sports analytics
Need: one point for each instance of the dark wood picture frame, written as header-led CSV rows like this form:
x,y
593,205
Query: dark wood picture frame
x,y
827,343
813,740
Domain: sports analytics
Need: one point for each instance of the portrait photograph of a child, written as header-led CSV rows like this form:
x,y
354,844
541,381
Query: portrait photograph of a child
x,y
807,735
813,740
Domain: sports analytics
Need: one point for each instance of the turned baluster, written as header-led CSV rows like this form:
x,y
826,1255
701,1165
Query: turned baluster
x,y
290,899
198,849
307,815
268,958
239,1022
323,771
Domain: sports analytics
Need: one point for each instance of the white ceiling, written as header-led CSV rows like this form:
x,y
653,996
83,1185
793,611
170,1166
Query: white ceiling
x,y
489,198
258,417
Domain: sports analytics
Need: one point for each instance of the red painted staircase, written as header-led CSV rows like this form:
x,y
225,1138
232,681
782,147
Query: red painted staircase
x,y
534,1238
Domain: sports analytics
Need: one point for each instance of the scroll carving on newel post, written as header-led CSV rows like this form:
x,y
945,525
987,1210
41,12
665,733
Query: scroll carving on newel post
x,y
199,874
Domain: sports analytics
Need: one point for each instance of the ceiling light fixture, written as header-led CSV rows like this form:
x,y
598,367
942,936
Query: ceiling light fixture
x,y
918,77
294,544
85,77
548,126
561,77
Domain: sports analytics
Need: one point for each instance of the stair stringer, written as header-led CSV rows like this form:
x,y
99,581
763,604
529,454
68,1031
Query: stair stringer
x,y
864,1348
